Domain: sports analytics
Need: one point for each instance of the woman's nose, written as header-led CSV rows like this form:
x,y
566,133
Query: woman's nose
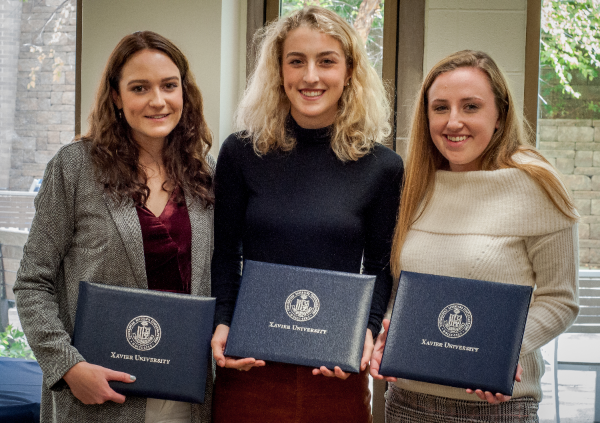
x,y
157,99
454,120
311,75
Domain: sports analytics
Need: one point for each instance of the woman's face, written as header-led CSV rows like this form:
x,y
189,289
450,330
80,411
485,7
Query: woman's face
x,y
462,116
314,74
150,96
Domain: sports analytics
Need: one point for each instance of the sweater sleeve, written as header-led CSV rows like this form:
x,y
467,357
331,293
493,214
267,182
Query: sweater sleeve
x,y
48,243
231,200
555,261
380,224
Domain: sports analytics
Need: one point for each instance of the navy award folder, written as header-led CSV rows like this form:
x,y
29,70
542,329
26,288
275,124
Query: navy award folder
x,y
458,332
299,315
161,338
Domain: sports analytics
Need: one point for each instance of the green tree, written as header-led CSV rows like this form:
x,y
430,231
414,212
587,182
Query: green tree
x,y
13,344
570,47
365,15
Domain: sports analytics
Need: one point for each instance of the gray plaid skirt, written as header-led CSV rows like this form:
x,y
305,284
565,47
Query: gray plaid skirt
x,y
403,406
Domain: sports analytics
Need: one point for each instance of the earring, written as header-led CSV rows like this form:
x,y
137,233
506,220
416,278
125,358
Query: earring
x,y
348,83
120,114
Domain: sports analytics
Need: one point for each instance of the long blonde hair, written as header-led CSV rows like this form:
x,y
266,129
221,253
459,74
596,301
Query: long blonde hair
x,y
363,113
512,136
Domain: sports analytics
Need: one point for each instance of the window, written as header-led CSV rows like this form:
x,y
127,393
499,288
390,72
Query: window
x,y
365,15
569,109
37,118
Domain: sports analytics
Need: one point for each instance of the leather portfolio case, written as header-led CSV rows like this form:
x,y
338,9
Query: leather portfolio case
x,y
161,338
458,332
303,316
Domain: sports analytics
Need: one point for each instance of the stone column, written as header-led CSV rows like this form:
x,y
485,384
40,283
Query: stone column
x,y
10,28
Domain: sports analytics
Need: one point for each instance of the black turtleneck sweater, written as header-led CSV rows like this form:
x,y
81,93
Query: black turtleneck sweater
x,y
304,208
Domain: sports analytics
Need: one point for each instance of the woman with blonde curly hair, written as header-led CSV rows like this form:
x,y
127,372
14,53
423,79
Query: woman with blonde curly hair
x,y
480,203
307,183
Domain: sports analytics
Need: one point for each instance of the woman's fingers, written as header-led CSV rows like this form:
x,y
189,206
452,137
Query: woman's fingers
x,y
378,354
367,350
337,372
89,383
489,397
120,376
244,364
519,372
218,343
497,398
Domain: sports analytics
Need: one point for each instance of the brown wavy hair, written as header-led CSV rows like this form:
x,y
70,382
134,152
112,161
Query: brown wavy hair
x,y
512,136
115,154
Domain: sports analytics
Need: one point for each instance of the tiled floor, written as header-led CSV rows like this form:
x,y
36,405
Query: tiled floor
x,y
576,388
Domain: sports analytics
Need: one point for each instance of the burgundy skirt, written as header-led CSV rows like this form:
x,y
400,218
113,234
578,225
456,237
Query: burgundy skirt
x,y
285,393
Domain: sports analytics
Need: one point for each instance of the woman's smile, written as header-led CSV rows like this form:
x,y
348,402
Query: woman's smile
x,y
462,116
314,74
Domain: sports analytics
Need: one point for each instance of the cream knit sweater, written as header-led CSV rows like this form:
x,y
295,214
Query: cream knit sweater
x,y
500,226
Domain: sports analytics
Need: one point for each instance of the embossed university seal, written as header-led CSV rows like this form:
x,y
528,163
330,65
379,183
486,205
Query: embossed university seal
x,y
455,320
143,333
302,305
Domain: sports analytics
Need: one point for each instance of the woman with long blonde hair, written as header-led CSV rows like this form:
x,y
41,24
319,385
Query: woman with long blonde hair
x,y
306,183
480,203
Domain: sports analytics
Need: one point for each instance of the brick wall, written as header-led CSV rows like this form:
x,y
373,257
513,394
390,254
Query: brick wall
x,y
45,114
11,246
573,146
10,24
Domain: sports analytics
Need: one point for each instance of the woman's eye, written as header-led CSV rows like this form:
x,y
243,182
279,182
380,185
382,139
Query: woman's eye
x,y
439,108
471,107
137,89
295,62
171,85
328,62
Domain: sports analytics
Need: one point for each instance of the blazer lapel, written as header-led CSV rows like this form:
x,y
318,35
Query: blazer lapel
x,y
201,224
128,225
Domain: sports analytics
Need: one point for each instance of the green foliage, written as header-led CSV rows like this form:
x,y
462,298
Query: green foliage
x,y
13,344
570,48
349,10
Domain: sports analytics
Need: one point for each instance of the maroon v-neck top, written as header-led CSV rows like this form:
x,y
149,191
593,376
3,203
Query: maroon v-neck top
x,y
167,247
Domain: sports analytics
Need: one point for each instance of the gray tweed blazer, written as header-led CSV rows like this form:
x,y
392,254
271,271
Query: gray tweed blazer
x,y
79,234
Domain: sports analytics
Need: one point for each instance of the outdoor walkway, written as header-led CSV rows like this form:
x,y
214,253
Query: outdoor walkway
x,y
576,388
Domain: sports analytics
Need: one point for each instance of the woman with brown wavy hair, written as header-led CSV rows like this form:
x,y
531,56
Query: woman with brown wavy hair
x,y
129,204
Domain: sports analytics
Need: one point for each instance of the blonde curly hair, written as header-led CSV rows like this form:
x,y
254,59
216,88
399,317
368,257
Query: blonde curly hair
x,y
364,110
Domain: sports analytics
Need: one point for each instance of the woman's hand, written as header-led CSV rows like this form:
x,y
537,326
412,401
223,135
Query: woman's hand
x,y
498,398
218,342
339,373
89,383
378,354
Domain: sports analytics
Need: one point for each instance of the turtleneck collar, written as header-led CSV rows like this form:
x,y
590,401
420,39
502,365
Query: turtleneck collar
x,y
312,136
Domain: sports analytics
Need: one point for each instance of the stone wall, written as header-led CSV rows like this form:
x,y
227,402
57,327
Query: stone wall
x,y
573,146
10,26
558,104
11,246
45,114
11,253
